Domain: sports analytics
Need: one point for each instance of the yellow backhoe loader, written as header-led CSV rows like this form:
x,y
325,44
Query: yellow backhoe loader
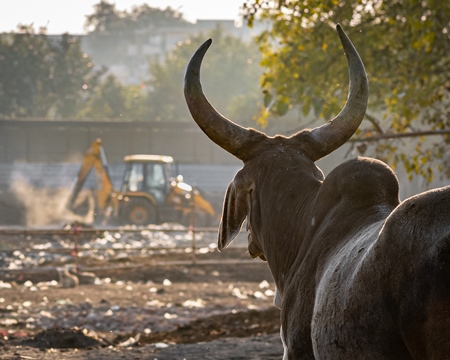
x,y
149,194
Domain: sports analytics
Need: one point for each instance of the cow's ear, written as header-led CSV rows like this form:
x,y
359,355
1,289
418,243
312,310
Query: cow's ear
x,y
236,207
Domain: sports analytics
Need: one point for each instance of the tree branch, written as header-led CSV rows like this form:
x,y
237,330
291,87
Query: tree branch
x,y
401,135
374,122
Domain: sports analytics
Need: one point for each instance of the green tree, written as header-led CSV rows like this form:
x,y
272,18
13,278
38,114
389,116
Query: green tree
x,y
405,47
110,99
21,62
229,75
43,76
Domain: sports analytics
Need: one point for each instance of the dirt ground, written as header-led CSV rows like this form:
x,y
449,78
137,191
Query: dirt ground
x,y
156,306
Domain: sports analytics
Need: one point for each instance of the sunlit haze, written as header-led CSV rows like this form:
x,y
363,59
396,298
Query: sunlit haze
x,y
60,16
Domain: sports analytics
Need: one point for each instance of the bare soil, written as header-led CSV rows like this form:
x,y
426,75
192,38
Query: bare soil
x,y
160,306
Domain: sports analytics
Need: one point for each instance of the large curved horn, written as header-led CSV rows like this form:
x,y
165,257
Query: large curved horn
x,y
337,131
232,137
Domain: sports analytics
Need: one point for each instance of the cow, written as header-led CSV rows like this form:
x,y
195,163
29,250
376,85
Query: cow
x,y
359,274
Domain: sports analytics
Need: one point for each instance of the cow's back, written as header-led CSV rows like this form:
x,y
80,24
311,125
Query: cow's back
x,y
352,317
389,296
418,234
383,291
342,310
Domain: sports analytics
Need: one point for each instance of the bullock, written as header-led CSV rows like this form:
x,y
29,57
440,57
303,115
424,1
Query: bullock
x,y
359,275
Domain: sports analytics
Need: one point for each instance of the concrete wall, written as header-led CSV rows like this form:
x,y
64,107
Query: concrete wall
x,y
37,141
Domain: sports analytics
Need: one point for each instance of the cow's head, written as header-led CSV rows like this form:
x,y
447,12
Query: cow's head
x,y
275,168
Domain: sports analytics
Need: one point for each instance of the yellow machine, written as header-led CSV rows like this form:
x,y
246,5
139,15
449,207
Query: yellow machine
x,y
149,194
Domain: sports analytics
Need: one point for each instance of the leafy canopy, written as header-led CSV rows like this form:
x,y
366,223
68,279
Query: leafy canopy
x,y
229,77
43,76
50,76
405,46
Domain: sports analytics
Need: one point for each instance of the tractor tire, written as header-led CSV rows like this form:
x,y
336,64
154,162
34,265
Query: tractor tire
x,y
140,212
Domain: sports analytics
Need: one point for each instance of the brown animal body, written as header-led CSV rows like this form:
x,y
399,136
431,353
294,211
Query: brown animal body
x,y
359,274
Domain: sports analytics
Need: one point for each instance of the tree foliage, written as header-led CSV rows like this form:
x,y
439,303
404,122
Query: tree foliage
x,y
112,100
107,20
50,76
405,46
229,77
43,76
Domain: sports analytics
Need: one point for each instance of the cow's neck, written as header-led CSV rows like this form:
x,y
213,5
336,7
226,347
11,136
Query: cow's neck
x,y
284,224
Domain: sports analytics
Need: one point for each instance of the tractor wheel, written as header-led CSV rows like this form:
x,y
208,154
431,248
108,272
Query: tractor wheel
x,y
140,212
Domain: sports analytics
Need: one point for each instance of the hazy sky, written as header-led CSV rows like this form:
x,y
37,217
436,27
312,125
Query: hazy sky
x,y
69,15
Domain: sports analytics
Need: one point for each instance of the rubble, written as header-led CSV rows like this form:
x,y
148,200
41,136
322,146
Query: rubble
x,y
131,303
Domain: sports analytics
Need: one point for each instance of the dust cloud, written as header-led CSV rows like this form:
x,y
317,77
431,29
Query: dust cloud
x,y
45,207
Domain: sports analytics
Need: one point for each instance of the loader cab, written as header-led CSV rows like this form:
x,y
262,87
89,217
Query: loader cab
x,y
148,174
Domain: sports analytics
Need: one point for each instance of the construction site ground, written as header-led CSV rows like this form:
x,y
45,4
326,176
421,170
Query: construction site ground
x,y
156,305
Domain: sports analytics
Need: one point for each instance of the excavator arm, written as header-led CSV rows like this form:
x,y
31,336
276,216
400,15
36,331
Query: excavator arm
x,y
94,158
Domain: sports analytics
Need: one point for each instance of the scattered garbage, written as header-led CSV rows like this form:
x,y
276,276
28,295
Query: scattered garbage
x,y
46,249
76,308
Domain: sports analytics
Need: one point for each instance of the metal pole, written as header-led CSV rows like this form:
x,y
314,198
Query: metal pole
x,y
76,236
192,229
